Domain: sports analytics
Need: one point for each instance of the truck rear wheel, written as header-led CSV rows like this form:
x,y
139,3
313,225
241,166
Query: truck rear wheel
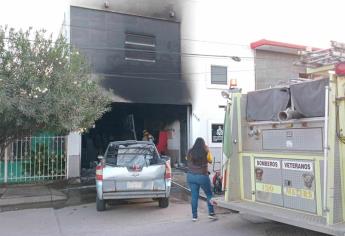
x,y
163,202
100,204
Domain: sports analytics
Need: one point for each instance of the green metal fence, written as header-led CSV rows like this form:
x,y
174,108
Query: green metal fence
x,y
34,159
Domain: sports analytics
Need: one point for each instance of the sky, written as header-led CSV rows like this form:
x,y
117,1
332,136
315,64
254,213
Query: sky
x,y
40,14
305,22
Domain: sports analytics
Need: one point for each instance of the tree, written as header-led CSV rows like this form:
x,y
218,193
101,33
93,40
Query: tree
x,y
45,85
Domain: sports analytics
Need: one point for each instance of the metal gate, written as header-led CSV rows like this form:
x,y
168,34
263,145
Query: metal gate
x,y
34,159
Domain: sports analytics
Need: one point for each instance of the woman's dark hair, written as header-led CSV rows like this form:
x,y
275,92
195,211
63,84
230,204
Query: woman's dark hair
x,y
198,153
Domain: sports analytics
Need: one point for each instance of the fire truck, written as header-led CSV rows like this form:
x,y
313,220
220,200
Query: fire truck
x,y
287,148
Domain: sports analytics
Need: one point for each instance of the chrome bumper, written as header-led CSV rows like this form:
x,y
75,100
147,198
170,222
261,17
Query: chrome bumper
x,y
133,195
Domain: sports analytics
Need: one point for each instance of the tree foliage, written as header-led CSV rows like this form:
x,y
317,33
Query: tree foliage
x,y
44,85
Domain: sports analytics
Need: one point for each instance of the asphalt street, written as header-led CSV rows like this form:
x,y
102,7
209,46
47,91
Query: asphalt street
x,y
142,217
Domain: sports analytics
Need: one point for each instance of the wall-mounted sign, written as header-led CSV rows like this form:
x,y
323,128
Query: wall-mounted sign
x,y
267,163
217,133
298,165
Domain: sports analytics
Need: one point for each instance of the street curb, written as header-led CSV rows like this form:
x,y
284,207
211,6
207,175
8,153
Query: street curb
x,y
4,202
24,200
44,195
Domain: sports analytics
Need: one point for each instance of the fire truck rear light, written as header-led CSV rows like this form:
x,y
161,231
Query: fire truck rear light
x,y
99,172
168,176
167,170
340,68
233,83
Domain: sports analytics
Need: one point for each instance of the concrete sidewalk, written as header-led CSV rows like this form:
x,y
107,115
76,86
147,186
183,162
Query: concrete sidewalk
x,y
23,196
29,194
62,193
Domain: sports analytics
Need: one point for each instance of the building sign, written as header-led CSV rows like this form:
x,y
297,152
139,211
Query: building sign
x,y
267,163
217,133
298,165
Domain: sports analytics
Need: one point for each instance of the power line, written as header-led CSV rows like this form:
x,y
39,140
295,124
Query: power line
x,y
198,73
235,58
184,39
170,79
141,77
133,74
176,79
215,42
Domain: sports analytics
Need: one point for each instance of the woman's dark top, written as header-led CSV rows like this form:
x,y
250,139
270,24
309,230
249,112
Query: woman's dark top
x,y
198,166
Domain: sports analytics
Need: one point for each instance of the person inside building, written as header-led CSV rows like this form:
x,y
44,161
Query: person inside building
x,y
147,136
162,145
197,162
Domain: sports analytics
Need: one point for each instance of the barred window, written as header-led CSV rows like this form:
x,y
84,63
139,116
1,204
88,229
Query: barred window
x,y
140,48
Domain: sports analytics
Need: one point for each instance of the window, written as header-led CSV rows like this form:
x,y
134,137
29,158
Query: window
x,y
219,75
140,48
131,154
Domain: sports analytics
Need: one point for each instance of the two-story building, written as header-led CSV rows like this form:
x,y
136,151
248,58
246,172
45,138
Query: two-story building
x,y
166,64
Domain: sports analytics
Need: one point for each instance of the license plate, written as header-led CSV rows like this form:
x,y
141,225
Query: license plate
x,y
134,185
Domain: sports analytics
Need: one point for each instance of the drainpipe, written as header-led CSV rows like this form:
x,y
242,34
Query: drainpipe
x,y
6,165
188,127
325,150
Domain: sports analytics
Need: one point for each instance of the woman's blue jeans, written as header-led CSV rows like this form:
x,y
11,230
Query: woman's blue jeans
x,y
195,181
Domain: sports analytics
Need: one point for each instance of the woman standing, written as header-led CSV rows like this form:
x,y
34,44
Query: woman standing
x,y
197,161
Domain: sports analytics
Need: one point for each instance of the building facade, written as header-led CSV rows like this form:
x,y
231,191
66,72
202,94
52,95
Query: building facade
x,y
172,58
276,63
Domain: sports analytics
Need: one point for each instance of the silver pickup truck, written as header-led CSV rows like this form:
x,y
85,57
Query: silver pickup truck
x,y
132,169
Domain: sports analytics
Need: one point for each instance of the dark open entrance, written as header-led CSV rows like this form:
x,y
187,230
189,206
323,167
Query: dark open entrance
x,y
117,125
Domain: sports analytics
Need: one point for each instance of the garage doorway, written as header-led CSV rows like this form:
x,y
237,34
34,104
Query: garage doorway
x,y
127,121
